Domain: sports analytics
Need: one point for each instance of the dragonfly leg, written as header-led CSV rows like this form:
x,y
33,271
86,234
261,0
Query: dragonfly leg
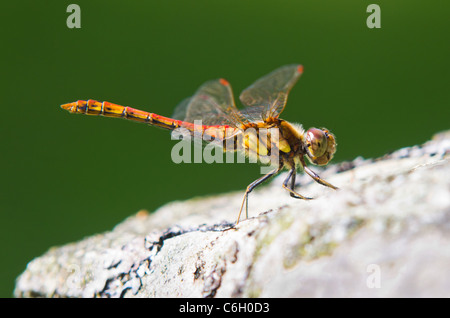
x,y
253,185
316,177
291,176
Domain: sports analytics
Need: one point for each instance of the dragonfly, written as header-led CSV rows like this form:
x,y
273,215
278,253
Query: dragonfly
x,y
264,101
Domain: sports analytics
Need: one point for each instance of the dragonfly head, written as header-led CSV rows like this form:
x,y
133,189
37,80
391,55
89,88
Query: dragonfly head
x,y
320,145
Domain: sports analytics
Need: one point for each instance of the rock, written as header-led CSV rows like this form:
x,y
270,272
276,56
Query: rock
x,y
384,233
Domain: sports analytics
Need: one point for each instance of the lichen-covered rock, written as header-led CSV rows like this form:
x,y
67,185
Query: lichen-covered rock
x,y
384,233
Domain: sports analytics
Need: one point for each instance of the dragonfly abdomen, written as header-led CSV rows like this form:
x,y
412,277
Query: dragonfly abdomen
x,y
107,109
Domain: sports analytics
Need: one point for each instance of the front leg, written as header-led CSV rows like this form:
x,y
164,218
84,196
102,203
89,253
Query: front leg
x,y
316,177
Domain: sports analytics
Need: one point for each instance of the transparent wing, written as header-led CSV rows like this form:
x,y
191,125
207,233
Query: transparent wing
x,y
269,94
213,104
252,113
181,109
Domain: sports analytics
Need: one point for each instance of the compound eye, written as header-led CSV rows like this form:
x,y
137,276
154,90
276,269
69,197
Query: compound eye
x,y
316,142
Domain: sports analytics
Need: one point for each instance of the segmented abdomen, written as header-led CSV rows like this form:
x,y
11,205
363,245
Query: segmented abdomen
x,y
96,108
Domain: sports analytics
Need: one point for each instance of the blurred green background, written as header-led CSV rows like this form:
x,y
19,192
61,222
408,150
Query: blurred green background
x,y
64,177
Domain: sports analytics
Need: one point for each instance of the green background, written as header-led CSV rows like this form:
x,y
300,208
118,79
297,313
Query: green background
x,y
64,177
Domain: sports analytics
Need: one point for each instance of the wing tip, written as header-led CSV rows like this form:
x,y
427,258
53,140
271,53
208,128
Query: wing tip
x,y
224,82
300,68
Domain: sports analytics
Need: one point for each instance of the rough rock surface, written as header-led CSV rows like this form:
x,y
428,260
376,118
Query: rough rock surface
x,y
384,233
